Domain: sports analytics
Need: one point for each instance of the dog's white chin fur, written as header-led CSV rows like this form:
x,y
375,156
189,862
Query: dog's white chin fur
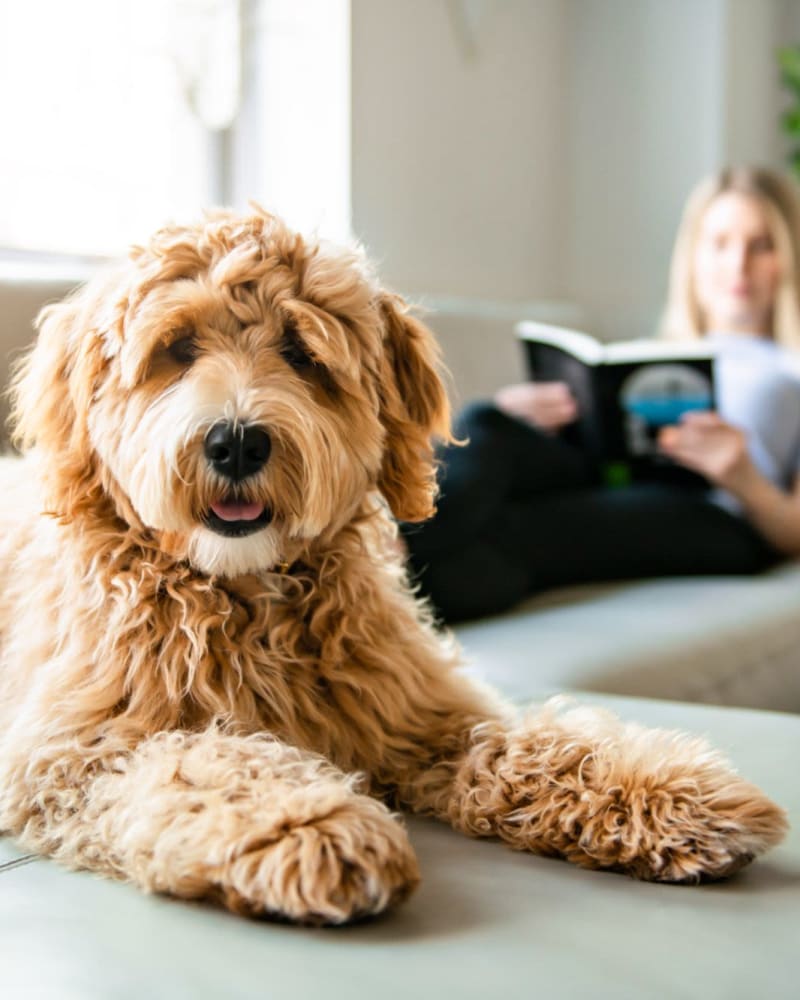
x,y
220,556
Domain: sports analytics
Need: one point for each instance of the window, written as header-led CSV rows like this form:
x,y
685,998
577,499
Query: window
x,y
119,115
293,136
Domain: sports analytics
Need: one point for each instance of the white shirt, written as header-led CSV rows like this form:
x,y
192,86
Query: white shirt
x,y
758,391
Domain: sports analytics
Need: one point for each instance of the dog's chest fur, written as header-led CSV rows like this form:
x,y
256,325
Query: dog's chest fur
x,y
133,643
164,647
257,653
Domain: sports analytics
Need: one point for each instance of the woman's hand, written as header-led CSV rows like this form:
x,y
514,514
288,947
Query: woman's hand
x,y
705,443
547,405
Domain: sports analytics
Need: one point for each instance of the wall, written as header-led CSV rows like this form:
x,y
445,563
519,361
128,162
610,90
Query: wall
x,y
451,147
644,125
548,165
662,93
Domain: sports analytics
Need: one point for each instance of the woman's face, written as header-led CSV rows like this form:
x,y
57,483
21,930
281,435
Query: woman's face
x,y
736,266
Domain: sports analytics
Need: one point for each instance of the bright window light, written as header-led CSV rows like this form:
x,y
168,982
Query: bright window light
x,y
99,144
294,152
120,115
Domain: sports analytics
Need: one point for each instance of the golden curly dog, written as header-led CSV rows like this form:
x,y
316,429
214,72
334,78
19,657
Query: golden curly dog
x,y
215,680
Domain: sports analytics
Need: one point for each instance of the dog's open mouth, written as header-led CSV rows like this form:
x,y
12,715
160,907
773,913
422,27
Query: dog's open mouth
x,y
235,518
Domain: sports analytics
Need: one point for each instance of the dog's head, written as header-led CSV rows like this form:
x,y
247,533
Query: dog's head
x,y
235,390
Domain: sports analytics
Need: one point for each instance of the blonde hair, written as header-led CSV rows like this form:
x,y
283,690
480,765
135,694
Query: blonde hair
x,y
779,201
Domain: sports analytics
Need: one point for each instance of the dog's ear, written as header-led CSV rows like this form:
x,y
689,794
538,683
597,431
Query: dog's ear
x,y
414,410
50,392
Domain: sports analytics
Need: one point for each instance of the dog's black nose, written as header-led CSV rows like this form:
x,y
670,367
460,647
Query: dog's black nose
x,y
236,451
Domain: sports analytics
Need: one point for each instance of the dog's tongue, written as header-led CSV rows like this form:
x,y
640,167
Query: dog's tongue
x,y
233,511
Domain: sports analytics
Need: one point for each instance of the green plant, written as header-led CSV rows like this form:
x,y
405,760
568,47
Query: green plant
x,y
789,63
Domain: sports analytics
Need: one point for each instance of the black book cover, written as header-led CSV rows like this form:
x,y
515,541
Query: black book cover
x,y
626,392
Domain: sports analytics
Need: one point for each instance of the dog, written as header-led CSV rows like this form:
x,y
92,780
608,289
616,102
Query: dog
x,y
216,681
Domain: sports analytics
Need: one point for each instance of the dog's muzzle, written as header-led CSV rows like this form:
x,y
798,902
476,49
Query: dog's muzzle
x,y
235,452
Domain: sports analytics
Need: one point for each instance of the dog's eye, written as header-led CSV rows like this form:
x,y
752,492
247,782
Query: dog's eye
x,y
184,350
294,352
296,355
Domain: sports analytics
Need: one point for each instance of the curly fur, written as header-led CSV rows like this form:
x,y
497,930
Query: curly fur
x,y
179,709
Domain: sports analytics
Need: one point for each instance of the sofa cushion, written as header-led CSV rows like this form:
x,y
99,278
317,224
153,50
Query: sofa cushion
x,y
720,640
485,922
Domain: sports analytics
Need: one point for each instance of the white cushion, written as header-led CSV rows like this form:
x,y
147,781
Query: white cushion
x,y
720,640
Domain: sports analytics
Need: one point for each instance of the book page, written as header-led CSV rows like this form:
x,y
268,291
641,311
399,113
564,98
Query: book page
x,y
580,345
655,349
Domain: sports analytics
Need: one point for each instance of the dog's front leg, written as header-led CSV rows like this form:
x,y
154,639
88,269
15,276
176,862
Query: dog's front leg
x,y
584,786
261,827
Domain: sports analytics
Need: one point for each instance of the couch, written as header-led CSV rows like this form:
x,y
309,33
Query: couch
x,y
727,640
486,921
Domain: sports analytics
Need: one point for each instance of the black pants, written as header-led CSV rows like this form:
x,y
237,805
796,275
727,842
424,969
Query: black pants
x,y
520,511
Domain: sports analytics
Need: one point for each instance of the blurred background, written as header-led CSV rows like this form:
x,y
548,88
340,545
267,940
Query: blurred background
x,y
500,159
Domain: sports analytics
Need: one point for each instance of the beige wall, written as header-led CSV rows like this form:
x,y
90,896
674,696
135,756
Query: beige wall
x,y
662,93
452,148
550,163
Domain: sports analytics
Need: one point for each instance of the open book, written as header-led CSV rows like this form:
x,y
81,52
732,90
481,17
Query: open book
x,y
626,392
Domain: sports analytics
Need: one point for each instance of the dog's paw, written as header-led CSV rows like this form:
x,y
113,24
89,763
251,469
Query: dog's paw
x,y
659,805
350,862
665,807
689,833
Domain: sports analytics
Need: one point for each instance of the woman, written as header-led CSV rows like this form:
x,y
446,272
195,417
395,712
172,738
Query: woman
x,y
521,510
